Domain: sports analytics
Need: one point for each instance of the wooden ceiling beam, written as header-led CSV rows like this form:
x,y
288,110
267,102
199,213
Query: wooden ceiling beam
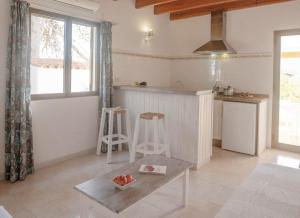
x,y
144,3
267,2
180,5
200,11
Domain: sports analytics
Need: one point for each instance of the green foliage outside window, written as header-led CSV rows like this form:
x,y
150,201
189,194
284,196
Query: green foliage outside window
x,y
289,88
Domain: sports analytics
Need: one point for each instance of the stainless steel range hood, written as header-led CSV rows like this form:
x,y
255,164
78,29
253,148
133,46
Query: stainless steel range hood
x,y
217,44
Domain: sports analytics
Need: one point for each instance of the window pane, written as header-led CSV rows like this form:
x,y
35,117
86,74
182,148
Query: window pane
x,y
83,53
47,55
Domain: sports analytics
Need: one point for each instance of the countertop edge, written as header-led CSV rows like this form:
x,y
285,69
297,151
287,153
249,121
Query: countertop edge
x,y
255,100
163,90
258,98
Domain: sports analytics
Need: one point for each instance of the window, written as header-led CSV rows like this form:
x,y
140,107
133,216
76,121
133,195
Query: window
x,y
83,53
63,56
47,55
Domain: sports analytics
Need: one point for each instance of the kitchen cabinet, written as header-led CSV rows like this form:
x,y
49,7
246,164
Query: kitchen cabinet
x,y
244,127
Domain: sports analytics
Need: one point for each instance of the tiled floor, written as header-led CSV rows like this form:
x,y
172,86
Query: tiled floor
x,y
49,192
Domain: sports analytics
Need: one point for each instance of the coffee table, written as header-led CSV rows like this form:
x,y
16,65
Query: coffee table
x,y
102,191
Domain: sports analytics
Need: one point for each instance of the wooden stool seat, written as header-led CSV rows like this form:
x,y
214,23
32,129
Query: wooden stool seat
x,y
119,110
150,116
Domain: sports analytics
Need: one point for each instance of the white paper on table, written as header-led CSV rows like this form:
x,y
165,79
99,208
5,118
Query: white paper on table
x,y
158,169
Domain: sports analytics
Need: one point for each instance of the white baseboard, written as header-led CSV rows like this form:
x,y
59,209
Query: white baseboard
x,y
58,160
64,158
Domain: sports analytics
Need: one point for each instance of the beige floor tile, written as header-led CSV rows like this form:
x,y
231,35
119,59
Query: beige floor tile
x,y
49,192
17,209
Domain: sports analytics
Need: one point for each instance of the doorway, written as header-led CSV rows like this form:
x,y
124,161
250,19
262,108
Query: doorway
x,y
286,100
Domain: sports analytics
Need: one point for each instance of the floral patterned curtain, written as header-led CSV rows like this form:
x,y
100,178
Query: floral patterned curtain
x,y
18,124
106,70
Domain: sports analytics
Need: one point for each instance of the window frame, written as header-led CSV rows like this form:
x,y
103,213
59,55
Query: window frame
x,y
67,71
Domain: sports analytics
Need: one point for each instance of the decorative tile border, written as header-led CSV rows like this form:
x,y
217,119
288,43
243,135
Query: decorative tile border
x,y
134,54
191,57
240,55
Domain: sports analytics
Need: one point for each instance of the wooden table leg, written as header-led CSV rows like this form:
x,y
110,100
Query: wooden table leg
x,y
186,184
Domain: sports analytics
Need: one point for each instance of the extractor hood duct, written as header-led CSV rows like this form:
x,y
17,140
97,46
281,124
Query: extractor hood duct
x,y
217,44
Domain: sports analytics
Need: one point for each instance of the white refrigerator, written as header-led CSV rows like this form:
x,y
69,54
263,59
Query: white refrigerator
x,y
239,128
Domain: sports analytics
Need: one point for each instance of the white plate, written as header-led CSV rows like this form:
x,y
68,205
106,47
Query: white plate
x,y
158,169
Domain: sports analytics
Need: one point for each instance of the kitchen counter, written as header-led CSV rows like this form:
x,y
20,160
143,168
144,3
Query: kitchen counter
x,y
167,90
237,97
252,98
188,113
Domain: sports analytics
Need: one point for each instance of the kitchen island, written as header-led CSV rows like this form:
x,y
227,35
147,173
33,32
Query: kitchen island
x,y
189,116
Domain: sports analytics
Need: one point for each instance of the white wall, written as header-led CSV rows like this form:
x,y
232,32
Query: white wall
x,y
128,36
248,31
128,69
244,74
62,127
130,23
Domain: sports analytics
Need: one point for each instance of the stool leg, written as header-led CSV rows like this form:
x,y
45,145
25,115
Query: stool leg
x,y
146,142
128,131
135,139
166,138
101,128
110,132
156,134
119,123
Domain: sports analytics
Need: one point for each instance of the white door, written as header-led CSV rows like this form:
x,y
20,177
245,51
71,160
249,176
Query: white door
x,y
286,112
239,127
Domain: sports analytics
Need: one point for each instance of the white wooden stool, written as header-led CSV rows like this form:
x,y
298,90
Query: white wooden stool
x,y
147,147
114,139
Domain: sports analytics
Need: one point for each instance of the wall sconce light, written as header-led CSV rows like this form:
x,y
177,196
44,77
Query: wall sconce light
x,y
148,34
213,56
225,55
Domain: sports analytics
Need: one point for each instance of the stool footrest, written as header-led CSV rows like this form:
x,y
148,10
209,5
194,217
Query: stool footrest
x,y
116,139
142,148
145,151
